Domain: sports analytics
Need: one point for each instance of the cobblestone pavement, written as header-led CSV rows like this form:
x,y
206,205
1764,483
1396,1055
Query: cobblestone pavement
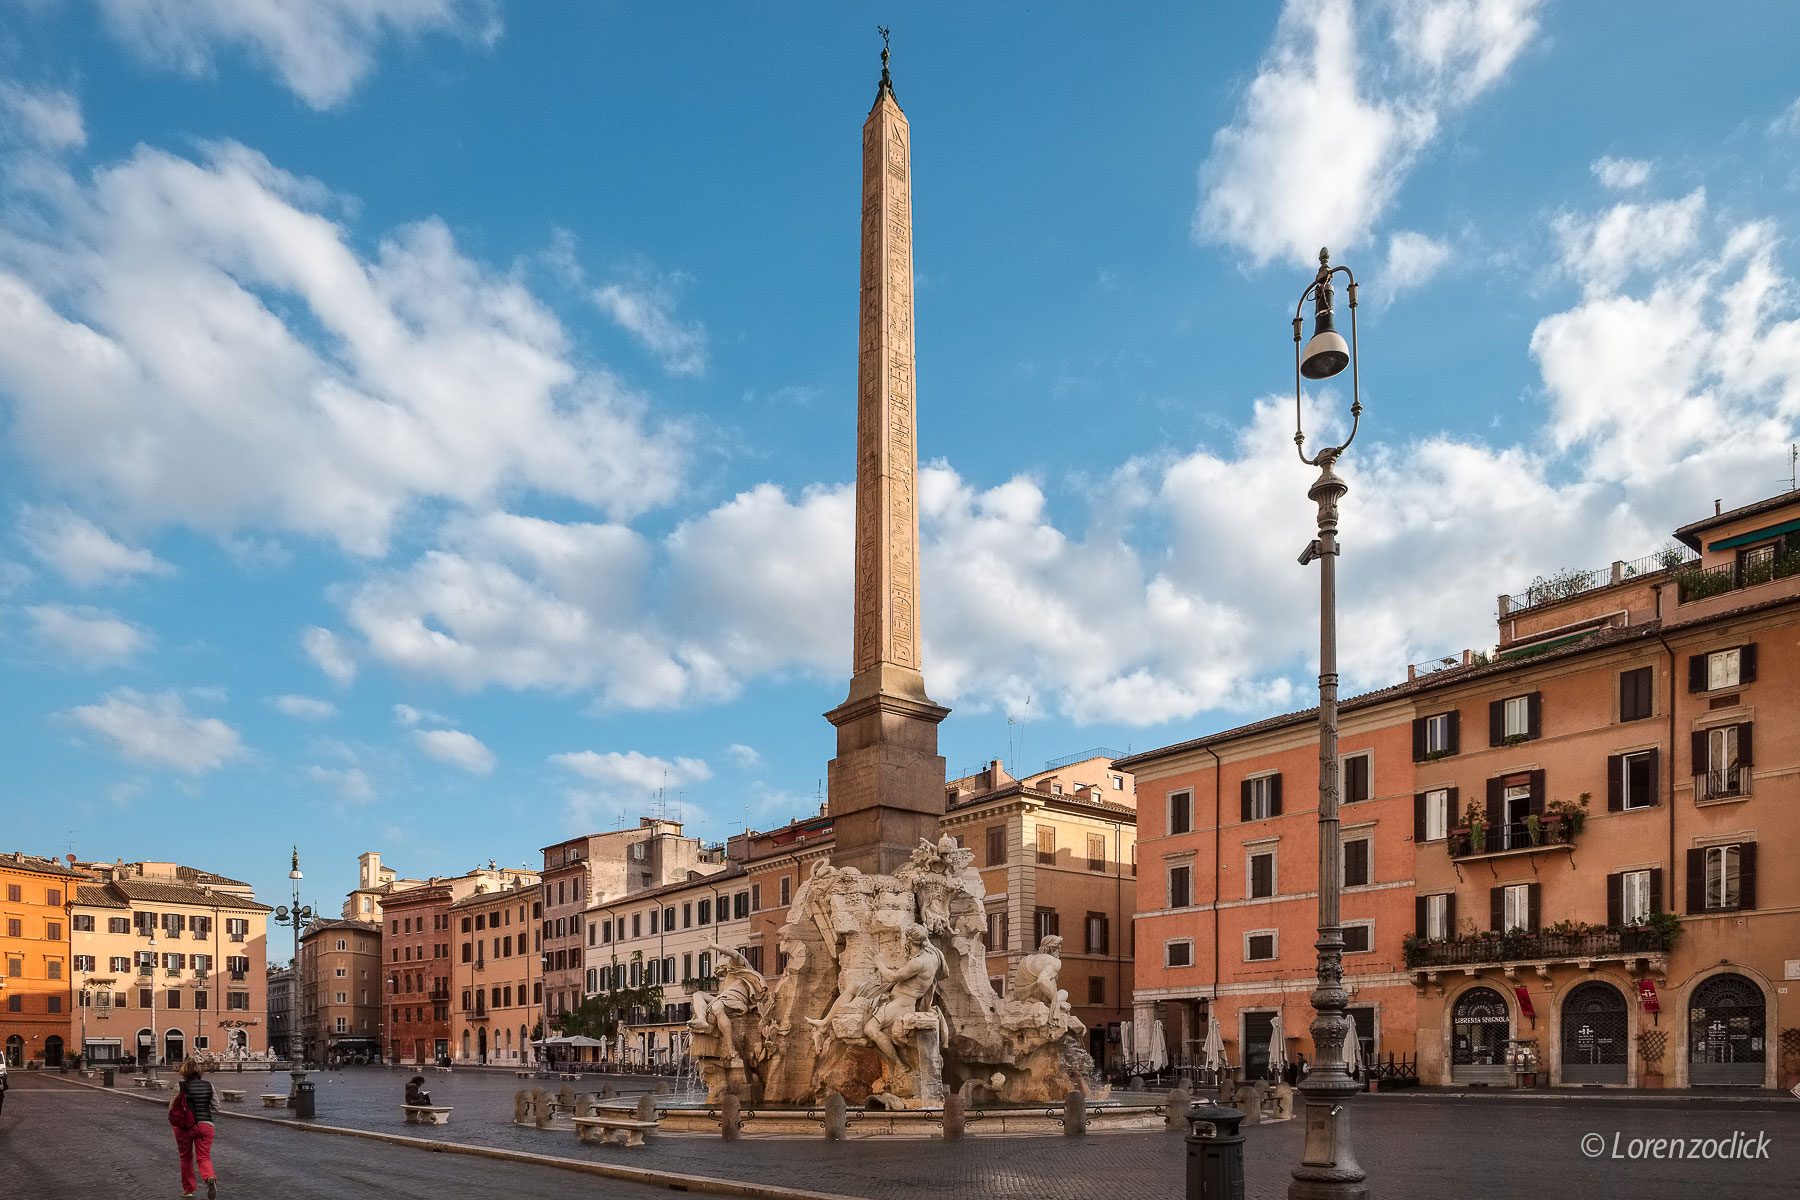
x,y
1445,1148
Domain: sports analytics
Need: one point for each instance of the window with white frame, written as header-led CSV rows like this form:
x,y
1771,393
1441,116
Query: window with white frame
x,y
1437,814
1516,908
1437,916
1637,779
1516,716
1634,898
1259,873
1261,945
1178,953
1181,886
1356,774
1724,668
1262,797
1358,856
1724,769
1437,734
1723,864
1359,937
1181,812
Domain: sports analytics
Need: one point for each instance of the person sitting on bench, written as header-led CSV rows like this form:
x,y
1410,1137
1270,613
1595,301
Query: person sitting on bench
x,y
416,1095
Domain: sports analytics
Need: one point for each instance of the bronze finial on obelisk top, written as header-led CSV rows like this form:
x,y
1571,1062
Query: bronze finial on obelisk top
x,y
887,782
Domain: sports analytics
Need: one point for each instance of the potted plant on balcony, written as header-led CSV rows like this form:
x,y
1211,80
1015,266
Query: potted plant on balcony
x,y
1474,828
1534,829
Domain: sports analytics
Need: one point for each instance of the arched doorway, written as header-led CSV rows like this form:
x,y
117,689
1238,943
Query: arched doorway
x,y
15,1051
1727,1033
146,1047
465,1046
1595,1034
481,1045
1480,1027
53,1051
174,1046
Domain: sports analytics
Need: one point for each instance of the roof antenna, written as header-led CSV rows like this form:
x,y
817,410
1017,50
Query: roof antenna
x,y
1793,479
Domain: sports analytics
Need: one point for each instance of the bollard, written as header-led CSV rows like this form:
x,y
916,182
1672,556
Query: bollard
x,y
1175,1113
1074,1115
1215,1153
521,1106
565,1096
646,1107
540,1108
837,1120
728,1117
1136,1084
954,1108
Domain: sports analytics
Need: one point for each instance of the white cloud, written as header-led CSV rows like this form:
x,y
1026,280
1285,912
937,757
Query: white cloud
x,y
643,305
457,748
1328,131
1413,260
90,637
328,654
412,717
1621,174
50,119
1603,251
158,730
304,708
744,758
320,49
632,769
80,551
351,783
1787,124
152,367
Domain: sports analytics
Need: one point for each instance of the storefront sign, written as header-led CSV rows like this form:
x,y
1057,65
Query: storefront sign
x,y
1524,995
1647,995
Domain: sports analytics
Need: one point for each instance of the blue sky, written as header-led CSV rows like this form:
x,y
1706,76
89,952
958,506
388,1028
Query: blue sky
x,y
424,426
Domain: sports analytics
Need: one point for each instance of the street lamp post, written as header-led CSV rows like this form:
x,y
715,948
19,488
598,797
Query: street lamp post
x,y
1328,1168
154,1052
297,917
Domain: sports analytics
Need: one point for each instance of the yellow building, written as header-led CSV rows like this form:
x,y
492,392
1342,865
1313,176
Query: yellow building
x,y
34,959
496,978
340,1004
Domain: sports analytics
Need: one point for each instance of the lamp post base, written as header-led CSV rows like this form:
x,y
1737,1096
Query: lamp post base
x,y
1328,1169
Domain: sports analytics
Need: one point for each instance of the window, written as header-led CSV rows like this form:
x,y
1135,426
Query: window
x,y
787,890
14,927
1096,989
1260,798
1635,700
200,999
703,913
1046,845
1261,874
53,1003
1357,771
1260,946
1515,907
1046,923
1178,953
1099,933
84,962
1722,761
118,925
1118,783
996,929
1357,866
756,897
81,923
740,905
118,963
655,919
174,999
1096,852
53,930
1431,814
996,845
1631,896
343,1025
342,944
1436,916
15,894
1181,886
1722,878
1181,812
1435,736
53,968
1631,780
1359,937
237,1001
1722,669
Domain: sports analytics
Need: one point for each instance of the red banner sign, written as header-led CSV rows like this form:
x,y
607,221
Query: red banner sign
x,y
1647,995
1524,995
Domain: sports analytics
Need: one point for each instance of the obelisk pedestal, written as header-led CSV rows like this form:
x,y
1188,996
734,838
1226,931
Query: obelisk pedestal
x,y
887,781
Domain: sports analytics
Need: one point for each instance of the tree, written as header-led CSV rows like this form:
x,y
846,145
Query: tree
x,y
600,1015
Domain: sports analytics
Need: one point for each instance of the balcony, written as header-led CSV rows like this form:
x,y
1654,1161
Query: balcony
x,y
1530,836
1722,783
1695,582
238,976
1517,946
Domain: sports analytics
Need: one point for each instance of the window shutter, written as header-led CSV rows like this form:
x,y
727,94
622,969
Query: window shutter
x,y
1696,672
1534,715
1537,792
1420,904
1531,906
1747,875
1455,731
1275,793
1450,809
1744,756
1656,892
1244,794
1696,881
1450,913
1747,663
1615,785
1699,752
1493,804
1496,722
1418,739
1418,816
1655,775
1497,908
1615,899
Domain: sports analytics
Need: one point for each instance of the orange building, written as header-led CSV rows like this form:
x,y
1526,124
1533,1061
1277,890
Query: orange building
x,y
1564,882
498,977
35,1024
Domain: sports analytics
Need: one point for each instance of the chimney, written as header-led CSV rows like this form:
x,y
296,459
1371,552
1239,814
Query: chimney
x,y
1717,507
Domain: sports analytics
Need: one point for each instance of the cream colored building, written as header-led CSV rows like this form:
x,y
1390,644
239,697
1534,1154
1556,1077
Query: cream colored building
x,y
373,882
340,1003
496,976
167,961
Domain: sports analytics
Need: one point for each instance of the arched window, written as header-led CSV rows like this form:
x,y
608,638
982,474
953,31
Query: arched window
x,y
1727,1033
1480,1027
1595,1034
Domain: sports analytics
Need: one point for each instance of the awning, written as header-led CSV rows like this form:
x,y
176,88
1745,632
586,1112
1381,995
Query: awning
x,y
106,1041
1756,535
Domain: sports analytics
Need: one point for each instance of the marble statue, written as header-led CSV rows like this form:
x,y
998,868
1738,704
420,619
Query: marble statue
x,y
1034,981
899,995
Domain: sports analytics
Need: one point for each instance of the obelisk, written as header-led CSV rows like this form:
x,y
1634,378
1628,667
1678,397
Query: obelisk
x,y
887,781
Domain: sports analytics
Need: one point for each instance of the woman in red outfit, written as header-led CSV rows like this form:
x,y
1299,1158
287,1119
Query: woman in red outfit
x,y
193,1125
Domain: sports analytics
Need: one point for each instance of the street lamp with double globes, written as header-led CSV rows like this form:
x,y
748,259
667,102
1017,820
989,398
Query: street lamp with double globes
x,y
297,916
1328,1169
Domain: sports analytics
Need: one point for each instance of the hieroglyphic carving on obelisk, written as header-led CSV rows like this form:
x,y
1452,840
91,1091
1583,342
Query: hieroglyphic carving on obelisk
x,y
886,651
887,781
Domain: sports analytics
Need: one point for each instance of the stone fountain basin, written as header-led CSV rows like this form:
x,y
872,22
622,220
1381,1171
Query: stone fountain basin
x,y
1019,1120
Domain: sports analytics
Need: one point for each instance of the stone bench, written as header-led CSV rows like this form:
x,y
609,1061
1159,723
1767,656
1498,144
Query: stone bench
x,y
613,1131
522,1074
426,1114
157,1085
232,1096
274,1099
569,1075
445,1070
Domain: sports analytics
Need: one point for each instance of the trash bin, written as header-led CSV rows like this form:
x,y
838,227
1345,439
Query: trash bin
x,y
304,1100
106,1076
1215,1153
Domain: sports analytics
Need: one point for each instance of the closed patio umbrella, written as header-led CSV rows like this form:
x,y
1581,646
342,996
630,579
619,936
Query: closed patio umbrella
x,y
1277,1046
1353,1055
1159,1047
1130,1047
1212,1054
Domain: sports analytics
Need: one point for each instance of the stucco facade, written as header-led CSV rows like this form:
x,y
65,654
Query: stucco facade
x,y
35,979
